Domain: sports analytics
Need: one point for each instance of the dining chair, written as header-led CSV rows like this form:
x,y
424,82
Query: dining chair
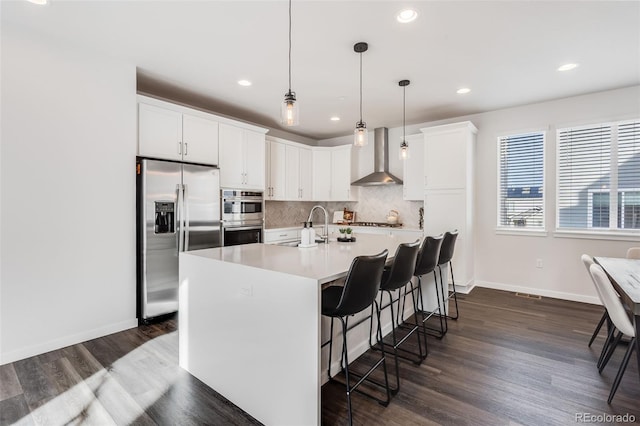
x,y
588,261
633,253
620,320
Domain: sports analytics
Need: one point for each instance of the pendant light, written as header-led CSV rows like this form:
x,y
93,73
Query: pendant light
x,y
404,146
361,136
290,116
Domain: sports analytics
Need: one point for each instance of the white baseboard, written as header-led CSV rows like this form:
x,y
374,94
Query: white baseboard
x,y
16,355
540,292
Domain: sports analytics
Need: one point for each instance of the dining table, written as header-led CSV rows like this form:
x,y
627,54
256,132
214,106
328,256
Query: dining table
x,y
625,276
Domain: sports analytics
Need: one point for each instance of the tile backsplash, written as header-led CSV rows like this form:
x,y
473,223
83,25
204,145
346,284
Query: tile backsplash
x,y
374,205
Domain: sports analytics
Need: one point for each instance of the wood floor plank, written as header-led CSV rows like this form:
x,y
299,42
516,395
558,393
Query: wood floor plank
x,y
507,361
9,383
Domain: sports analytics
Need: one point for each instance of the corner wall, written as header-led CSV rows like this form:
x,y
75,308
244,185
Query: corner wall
x,y
67,193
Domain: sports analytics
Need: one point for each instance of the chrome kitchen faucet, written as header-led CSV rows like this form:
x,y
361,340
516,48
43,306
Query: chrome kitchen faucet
x,y
325,236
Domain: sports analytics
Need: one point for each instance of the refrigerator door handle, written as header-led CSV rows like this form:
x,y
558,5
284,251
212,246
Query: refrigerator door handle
x,y
185,200
179,208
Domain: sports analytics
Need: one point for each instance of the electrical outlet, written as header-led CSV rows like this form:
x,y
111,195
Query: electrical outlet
x,y
539,263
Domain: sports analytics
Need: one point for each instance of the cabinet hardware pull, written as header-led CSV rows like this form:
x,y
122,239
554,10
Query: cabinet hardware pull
x,y
186,148
179,148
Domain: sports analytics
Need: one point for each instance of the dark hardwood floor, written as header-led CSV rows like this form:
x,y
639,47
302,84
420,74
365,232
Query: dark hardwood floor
x,y
507,360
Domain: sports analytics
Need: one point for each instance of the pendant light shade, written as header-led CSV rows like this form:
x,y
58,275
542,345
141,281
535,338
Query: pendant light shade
x,y
404,146
361,136
290,115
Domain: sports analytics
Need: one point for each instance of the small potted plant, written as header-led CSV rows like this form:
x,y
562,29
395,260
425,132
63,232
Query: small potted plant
x,y
348,232
343,233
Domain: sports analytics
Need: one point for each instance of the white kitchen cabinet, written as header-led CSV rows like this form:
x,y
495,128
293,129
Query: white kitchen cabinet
x,y
298,173
276,171
334,162
306,173
280,235
289,166
449,152
413,173
200,140
341,174
321,172
242,158
169,132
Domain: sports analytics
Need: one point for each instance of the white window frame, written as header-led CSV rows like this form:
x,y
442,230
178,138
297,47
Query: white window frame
x,y
524,230
611,232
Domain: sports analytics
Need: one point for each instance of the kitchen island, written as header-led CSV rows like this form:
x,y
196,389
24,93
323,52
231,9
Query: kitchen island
x,y
251,326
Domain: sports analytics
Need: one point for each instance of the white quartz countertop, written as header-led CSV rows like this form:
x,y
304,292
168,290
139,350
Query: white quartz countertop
x,y
324,263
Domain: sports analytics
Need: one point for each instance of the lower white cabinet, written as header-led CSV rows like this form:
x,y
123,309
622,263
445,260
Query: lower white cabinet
x,y
274,236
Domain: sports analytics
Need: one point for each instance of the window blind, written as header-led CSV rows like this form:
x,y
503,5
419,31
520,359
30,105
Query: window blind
x,y
598,180
521,181
629,175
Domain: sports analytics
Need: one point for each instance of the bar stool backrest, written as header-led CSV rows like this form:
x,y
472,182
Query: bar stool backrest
x,y
448,244
362,284
404,263
611,301
428,256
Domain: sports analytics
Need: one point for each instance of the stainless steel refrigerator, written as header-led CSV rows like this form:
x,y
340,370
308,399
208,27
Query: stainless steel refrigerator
x,y
178,209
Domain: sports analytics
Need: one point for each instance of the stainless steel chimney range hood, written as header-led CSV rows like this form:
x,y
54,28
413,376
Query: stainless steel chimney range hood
x,y
380,175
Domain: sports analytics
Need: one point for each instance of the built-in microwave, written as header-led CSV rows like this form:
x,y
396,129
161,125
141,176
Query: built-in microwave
x,y
242,216
241,206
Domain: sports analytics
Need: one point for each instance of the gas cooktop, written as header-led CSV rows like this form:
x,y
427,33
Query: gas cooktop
x,y
377,224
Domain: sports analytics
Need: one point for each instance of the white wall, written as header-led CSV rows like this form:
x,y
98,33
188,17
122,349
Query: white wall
x,y
509,261
67,194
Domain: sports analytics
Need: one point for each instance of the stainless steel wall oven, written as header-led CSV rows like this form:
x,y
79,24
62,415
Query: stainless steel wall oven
x,y
242,217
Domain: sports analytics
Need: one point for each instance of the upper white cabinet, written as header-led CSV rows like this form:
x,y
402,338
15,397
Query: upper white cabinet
x,y
242,158
321,170
448,155
449,191
276,170
169,132
289,166
334,162
413,177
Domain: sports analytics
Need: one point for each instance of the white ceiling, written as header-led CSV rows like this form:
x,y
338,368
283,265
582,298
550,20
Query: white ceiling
x,y
507,52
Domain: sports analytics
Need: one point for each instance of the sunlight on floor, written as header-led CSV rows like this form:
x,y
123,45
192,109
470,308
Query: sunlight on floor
x,y
102,399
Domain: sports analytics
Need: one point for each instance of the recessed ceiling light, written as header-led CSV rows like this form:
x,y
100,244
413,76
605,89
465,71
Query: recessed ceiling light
x,y
406,16
244,82
463,90
567,67
40,2
335,118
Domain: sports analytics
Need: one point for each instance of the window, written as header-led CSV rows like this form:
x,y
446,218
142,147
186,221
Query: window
x,y
599,177
521,181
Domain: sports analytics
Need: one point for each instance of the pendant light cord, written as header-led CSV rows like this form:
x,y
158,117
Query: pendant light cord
x,y
404,106
289,46
360,87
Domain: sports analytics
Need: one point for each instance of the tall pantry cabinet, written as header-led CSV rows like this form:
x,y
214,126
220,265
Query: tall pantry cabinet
x,y
449,152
